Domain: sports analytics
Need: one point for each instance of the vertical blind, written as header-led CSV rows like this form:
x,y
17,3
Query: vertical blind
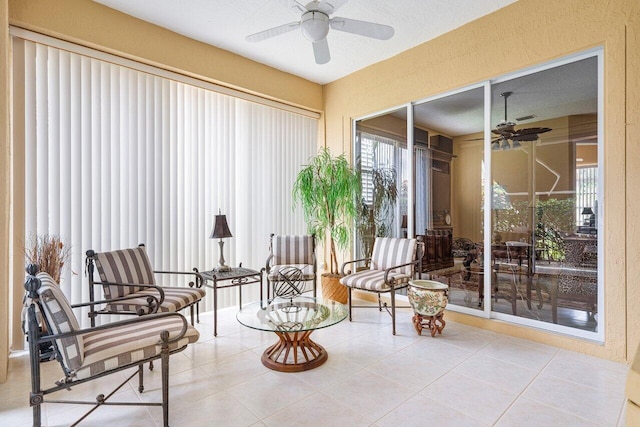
x,y
115,157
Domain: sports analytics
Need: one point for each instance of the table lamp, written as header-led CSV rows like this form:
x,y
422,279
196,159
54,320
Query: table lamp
x,y
221,231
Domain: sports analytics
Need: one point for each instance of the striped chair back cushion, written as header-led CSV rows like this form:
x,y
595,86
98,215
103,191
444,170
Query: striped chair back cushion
x,y
292,250
61,319
124,266
390,251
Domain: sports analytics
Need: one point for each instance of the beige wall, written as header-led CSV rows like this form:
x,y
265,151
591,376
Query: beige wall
x,y
632,175
479,51
4,190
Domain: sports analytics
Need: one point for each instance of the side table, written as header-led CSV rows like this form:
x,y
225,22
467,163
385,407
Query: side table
x,y
236,277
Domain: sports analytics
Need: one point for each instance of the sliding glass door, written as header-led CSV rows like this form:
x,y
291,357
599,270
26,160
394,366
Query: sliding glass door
x,y
505,189
448,158
544,172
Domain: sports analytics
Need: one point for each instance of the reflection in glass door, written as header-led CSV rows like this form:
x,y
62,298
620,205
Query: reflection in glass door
x,y
528,252
381,159
448,157
544,230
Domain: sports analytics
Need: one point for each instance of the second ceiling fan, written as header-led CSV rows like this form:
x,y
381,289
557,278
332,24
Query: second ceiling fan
x,y
315,23
507,131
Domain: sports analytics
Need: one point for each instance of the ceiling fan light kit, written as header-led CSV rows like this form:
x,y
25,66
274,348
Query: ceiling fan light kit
x,y
315,23
315,26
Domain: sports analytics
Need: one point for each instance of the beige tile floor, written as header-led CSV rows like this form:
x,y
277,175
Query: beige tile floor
x,y
465,377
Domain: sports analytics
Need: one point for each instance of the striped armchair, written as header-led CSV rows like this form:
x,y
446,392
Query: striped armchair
x,y
393,262
87,354
291,251
128,282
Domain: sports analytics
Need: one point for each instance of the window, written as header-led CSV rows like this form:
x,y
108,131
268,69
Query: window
x,y
115,156
586,196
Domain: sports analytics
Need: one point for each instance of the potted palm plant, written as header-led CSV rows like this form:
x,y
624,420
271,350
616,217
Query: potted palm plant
x,y
327,189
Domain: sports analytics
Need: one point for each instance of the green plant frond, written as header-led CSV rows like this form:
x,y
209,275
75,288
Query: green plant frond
x,y
327,190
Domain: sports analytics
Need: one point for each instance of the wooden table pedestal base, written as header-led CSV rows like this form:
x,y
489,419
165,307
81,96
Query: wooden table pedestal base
x,y
294,352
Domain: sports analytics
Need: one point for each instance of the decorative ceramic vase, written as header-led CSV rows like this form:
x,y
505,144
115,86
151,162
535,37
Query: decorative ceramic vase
x,y
428,299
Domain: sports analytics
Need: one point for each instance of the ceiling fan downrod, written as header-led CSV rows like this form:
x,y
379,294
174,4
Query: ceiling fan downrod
x,y
505,95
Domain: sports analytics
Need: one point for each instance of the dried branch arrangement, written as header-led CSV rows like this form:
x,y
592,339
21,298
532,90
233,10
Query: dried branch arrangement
x,y
49,252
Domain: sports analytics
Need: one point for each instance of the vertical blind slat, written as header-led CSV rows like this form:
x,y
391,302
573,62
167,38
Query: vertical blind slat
x,y
115,157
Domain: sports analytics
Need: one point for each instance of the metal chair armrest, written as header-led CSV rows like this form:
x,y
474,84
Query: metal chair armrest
x,y
137,285
267,264
148,318
198,276
355,261
124,298
388,270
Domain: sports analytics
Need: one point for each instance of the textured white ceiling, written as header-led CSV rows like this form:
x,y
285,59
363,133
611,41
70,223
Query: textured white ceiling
x,y
226,23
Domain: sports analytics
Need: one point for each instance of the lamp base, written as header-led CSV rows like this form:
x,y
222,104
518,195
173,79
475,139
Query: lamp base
x,y
223,268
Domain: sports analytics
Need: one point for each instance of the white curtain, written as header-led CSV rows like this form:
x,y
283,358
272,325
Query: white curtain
x,y
115,157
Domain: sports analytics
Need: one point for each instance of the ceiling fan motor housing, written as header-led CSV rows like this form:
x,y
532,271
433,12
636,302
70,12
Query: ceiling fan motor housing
x,y
315,25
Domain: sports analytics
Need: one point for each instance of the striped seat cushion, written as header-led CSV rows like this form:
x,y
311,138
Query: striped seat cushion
x,y
288,250
307,271
130,266
61,319
390,251
373,280
111,348
175,299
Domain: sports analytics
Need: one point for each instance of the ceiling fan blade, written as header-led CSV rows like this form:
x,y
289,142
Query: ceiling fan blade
x,y
321,51
272,32
528,131
363,28
502,132
330,6
296,6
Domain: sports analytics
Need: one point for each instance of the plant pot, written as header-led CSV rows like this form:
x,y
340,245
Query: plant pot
x,y
332,288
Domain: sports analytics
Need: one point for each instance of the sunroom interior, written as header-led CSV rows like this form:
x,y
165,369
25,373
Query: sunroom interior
x,y
513,226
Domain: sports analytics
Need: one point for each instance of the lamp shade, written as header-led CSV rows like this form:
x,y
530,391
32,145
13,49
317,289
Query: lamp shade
x,y
220,228
587,211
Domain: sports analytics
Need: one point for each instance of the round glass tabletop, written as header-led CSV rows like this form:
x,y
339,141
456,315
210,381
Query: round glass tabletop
x,y
292,314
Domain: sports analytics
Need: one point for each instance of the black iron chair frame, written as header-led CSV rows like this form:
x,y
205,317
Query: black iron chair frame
x,y
154,302
390,282
37,394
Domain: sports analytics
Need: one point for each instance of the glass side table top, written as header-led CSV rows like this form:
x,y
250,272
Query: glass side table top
x,y
292,314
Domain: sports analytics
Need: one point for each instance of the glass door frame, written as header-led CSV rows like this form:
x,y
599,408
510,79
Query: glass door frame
x,y
487,85
599,335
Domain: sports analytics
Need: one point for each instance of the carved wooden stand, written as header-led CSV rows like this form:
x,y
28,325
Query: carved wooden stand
x,y
294,352
434,323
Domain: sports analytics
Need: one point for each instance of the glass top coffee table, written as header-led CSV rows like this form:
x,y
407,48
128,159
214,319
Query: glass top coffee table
x,y
293,320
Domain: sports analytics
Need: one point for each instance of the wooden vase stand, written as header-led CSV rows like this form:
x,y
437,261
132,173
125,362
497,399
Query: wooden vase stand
x,y
434,323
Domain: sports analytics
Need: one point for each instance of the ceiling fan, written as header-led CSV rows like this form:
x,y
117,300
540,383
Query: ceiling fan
x,y
507,131
315,23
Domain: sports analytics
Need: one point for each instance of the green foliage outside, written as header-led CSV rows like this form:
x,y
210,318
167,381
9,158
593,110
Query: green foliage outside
x,y
554,219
